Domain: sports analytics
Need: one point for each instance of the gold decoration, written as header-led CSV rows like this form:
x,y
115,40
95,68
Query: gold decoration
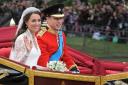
x,y
42,31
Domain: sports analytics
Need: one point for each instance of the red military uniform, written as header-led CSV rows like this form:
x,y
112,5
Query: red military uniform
x,y
48,45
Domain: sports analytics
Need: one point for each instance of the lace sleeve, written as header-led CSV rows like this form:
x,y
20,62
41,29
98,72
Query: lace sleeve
x,y
20,50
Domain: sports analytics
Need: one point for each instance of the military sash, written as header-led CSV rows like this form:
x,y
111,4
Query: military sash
x,y
56,56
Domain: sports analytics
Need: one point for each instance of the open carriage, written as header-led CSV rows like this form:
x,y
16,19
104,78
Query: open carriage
x,y
93,71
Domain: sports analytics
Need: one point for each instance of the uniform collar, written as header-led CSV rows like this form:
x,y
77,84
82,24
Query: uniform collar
x,y
51,30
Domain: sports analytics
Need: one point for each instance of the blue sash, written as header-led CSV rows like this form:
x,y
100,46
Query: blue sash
x,y
56,56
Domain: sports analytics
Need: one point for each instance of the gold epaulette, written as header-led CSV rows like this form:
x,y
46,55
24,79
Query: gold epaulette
x,y
42,31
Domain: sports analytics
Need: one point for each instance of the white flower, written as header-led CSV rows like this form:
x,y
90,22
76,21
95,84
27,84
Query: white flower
x,y
57,66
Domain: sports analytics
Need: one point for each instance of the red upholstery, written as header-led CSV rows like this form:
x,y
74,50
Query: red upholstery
x,y
85,70
126,68
5,52
5,44
7,33
113,65
98,67
112,71
86,56
80,58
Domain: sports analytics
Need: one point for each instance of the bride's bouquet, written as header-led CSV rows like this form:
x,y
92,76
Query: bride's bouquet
x,y
57,66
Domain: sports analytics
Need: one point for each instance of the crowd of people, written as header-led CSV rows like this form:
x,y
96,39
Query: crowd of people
x,y
108,19
13,9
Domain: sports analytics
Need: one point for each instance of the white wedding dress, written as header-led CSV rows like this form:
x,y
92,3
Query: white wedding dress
x,y
20,53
